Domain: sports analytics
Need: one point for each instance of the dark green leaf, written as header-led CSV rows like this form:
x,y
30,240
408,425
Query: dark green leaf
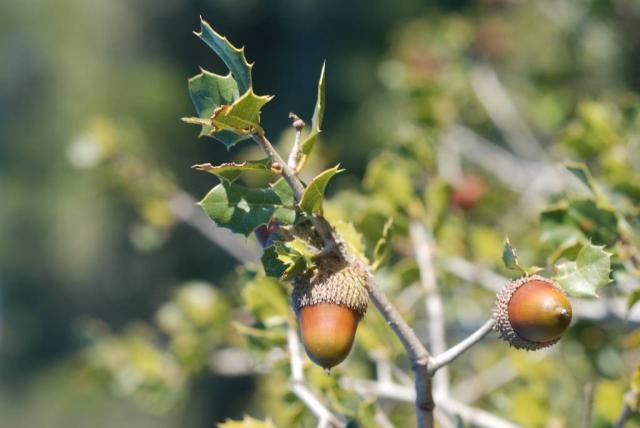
x,y
233,57
208,92
238,208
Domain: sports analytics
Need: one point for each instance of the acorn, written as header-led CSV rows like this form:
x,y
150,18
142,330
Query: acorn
x,y
532,312
329,306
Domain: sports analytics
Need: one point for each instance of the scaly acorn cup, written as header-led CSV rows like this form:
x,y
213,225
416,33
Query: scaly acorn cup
x,y
532,312
329,306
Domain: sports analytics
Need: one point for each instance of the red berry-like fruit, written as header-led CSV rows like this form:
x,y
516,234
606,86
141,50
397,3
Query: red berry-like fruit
x,y
532,312
329,306
468,191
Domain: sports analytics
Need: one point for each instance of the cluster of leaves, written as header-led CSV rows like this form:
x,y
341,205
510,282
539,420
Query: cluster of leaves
x,y
153,362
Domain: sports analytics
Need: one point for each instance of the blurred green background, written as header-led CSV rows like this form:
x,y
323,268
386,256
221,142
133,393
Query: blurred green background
x,y
82,241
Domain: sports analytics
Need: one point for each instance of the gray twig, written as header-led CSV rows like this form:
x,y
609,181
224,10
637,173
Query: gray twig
x,y
423,253
454,352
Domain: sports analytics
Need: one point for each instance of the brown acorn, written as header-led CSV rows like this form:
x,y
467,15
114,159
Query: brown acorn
x,y
532,312
329,306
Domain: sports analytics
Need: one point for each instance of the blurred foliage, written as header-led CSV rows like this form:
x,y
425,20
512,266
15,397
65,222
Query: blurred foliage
x,y
92,154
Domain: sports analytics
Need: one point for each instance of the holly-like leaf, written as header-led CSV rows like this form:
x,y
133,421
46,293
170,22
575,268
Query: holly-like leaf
x,y
284,260
382,251
509,256
239,208
510,260
242,117
231,171
588,273
313,195
233,57
273,266
318,115
297,257
208,92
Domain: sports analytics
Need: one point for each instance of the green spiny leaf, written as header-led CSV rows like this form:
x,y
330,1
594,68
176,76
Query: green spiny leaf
x,y
509,256
284,260
313,195
208,92
233,57
238,208
242,117
316,121
297,257
589,272
231,171
273,267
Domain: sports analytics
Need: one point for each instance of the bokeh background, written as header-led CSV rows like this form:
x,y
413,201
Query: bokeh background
x,y
91,150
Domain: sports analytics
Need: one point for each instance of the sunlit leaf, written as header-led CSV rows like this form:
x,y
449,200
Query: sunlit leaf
x,y
313,195
242,117
232,170
318,114
588,273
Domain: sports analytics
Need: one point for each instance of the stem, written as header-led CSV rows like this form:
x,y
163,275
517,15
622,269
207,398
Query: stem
x,y
287,172
294,154
393,391
418,354
627,411
454,352
435,309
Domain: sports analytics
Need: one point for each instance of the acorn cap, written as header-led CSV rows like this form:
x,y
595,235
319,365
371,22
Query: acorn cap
x,y
502,316
334,282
